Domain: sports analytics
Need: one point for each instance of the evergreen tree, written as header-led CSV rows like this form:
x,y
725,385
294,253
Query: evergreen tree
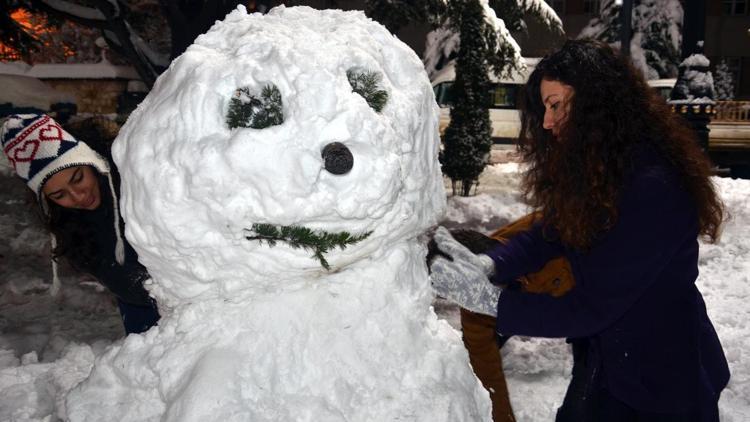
x,y
515,12
443,42
467,140
395,14
657,34
723,82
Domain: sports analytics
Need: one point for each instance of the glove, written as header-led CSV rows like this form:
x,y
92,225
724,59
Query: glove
x,y
463,279
473,240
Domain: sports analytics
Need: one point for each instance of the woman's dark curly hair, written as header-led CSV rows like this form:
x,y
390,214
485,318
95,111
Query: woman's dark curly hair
x,y
575,180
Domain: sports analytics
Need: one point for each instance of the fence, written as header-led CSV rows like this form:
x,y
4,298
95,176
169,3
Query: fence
x,y
732,111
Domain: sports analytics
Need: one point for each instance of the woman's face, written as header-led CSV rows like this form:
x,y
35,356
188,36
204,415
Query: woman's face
x,y
556,98
74,187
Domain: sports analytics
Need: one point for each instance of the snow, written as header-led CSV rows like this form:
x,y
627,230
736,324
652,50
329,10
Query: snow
x,y
442,43
23,91
696,60
253,332
79,11
101,70
542,10
656,36
696,84
66,334
242,334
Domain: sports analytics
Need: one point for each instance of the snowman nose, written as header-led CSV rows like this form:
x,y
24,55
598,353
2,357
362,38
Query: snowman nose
x,y
337,158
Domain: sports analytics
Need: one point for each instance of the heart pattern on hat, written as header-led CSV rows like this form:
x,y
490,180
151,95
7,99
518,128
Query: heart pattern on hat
x,y
25,152
51,132
38,147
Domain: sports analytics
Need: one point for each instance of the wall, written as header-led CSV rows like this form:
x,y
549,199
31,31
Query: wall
x,y
97,96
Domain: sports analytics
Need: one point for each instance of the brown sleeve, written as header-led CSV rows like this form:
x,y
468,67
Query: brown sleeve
x,y
555,278
479,340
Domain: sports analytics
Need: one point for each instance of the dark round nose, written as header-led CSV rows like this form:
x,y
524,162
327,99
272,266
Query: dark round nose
x,y
337,157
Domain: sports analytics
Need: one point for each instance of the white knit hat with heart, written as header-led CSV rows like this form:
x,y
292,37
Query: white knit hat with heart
x,y
37,147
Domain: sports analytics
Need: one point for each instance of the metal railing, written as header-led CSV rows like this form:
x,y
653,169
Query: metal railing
x,y
732,111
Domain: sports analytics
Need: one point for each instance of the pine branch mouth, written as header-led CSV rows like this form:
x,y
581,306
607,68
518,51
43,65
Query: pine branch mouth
x,y
298,237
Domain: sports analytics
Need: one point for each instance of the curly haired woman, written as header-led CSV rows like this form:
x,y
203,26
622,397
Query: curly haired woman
x,y
624,192
75,187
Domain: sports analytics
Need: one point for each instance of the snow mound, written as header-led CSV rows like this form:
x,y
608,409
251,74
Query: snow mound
x,y
273,329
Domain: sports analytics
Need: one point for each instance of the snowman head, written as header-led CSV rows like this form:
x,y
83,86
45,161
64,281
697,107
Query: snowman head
x,y
270,127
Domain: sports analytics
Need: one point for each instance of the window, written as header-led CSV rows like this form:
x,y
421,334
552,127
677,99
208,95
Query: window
x,y
498,95
591,7
443,94
558,6
734,7
504,96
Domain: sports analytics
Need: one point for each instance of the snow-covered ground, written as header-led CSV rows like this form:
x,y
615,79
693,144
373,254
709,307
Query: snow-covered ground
x,y
48,344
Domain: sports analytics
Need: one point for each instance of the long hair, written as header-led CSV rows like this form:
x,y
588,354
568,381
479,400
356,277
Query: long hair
x,y
576,179
75,241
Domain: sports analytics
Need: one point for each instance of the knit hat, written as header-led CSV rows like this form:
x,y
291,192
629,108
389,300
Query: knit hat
x,y
37,147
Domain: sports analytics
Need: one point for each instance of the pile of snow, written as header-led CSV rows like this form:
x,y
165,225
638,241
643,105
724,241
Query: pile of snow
x,y
25,91
261,330
100,70
47,346
695,84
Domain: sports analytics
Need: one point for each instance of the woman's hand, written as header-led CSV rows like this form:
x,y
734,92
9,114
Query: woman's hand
x,y
463,278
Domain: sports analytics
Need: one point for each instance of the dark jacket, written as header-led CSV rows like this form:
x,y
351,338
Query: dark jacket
x,y
124,281
635,299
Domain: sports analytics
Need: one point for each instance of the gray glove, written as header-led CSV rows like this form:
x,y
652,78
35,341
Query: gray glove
x,y
464,279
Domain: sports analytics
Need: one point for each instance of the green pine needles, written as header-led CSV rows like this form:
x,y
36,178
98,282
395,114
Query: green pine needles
x,y
367,84
297,237
249,110
468,138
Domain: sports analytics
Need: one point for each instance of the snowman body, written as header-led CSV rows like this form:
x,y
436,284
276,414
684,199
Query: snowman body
x,y
315,123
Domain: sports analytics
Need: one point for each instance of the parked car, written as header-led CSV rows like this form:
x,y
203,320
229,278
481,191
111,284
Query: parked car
x,y
501,99
24,94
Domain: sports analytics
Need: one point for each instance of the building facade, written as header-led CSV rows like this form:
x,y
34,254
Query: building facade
x,y
727,36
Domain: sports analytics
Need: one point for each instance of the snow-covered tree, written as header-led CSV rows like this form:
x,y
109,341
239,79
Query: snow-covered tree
x,y
135,29
487,45
112,20
15,34
67,42
443,43
695,83
656,34
723,82
468,139
395,14
515,12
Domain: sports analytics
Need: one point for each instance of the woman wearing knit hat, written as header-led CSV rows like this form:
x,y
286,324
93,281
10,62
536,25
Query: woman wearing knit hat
x,y
76,189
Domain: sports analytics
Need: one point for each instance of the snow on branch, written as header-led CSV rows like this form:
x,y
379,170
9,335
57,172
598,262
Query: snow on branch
x,y
75,10
444,42
656,39
544,12
157,59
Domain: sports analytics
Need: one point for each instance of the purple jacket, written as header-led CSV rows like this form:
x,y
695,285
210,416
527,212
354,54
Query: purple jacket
x,y
635,299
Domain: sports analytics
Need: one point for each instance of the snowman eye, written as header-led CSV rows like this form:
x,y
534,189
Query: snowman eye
x,y
253,110
367,84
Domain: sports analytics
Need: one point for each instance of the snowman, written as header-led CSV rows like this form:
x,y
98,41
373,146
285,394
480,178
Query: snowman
x,y
275,181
